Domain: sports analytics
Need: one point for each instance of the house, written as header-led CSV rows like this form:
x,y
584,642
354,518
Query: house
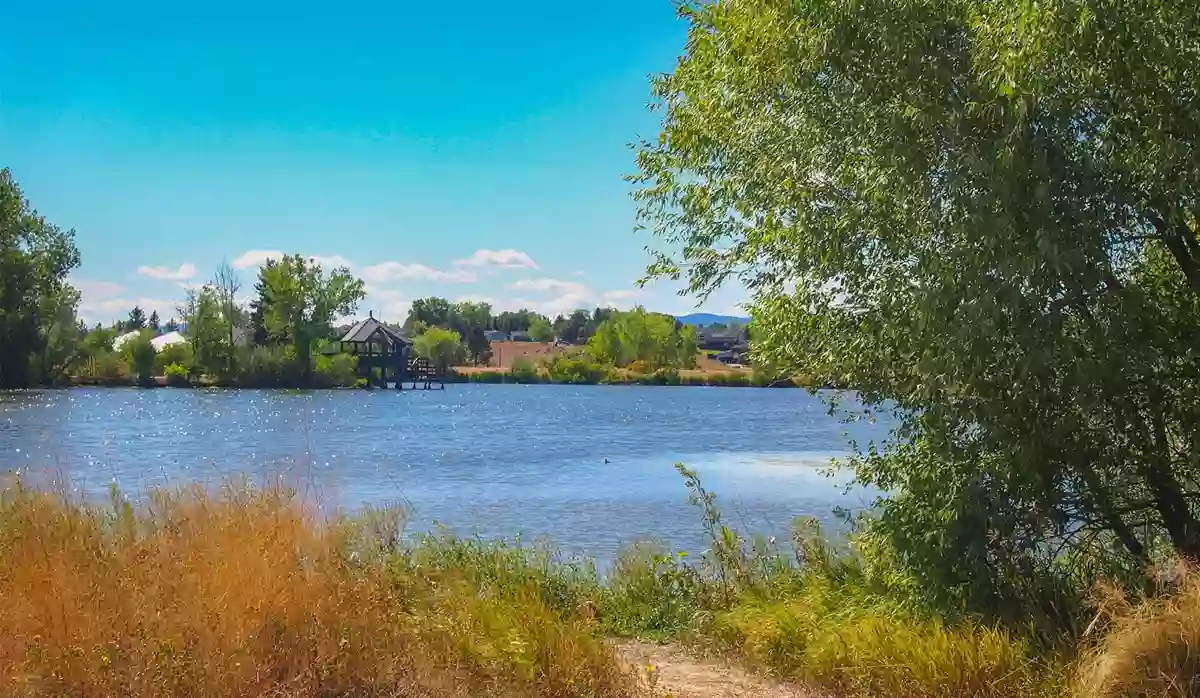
x,y
163,341
520,336
123,339
720,339
496,336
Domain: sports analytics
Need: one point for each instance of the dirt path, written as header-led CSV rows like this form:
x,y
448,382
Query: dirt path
x,y
681,675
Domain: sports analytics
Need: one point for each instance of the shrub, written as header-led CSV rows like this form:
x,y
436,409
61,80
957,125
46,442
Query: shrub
x,y
106,368
335,371
524,370
174,354
576,368
142,358
651,593
177,375
267,367
482,376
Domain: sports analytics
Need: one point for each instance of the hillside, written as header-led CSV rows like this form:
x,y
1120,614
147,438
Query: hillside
x,y
705,319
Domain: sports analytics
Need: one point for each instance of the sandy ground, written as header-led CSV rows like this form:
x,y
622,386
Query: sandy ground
x,y
680,675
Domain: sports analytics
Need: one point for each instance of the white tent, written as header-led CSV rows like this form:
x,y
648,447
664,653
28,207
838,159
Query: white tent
x,y
162,342
120,341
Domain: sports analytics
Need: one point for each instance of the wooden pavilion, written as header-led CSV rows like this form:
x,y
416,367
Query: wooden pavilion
x,y
378,346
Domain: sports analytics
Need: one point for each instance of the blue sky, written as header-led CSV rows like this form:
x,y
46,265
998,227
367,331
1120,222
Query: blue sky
x,y
470,150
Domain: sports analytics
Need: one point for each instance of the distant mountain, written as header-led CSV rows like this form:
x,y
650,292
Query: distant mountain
x,y
705,319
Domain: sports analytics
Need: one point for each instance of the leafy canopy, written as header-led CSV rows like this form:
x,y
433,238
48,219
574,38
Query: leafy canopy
x,y
983,215
36,303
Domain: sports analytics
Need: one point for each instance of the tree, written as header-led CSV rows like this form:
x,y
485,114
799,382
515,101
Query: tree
x,y
983,216
518,321
299,303
35,258
432,311
442,347
207,330
171,326
540,330
226,285
654,338
571,328
137,319
142,355
472,321
61,334
152,322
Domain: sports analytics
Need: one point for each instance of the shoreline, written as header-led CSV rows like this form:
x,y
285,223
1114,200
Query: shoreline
x,y
715,380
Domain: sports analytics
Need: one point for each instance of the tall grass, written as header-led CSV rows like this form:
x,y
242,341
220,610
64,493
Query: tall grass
x,y
245,593
816,615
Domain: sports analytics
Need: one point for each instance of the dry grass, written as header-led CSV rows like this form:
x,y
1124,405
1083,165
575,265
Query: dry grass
x,y
245,593
1151,649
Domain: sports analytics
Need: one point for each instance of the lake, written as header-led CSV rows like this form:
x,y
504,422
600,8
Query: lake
x,y
590,467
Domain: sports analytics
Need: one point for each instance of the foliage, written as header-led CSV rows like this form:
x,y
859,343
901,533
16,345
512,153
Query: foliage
x,y
570,328
266,367
576,367
35,258
141,357
524,370
105,368
225,286
441,347
654,340
519,321
137,319
152,321
208,330
335,371
470,320
245,592
982,216
181,354
60,335
540,330
177,375
299,302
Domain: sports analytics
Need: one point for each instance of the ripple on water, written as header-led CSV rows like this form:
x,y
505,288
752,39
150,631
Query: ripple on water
x,y
497,459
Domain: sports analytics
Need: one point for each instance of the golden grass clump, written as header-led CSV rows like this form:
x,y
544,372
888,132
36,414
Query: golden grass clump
x,y
1151,649
852,645
246,593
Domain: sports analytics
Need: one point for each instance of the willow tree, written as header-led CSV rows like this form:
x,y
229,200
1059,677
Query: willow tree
x,y
983,215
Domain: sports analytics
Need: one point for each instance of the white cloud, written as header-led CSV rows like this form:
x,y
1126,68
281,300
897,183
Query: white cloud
x,y
109,309
398,271
255,258
502,259
96,290
622,298
476,298
559,305
386,304
187,270
331,262
549,285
